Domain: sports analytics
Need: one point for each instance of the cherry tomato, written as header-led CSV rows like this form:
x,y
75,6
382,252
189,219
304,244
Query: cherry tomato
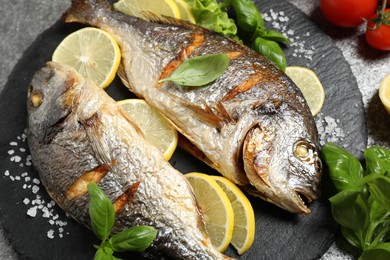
x,y
348,13
380,37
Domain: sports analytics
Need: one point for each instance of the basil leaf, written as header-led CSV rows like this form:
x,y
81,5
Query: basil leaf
x,y
380,189
271,50
344,169
350,210
378,252
101,212
377,160
199,71
249,19
105,253
274,36
351,236
133,239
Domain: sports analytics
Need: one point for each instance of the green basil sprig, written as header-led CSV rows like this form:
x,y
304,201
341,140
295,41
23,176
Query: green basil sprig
x,y
214,15
199,71
362,204
266,42
102,216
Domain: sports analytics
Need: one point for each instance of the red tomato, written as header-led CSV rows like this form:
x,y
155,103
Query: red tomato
x,y
380,37
348,13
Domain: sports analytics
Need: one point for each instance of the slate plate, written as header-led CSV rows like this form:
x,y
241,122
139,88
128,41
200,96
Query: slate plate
x,y
279,235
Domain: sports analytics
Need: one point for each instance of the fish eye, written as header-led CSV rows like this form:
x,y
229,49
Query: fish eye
x,y
303,150
36,97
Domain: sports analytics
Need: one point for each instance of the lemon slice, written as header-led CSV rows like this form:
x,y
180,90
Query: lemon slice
x,y
215,207
311,87
92,52
140,8
384,92
244,216
185,11
157,130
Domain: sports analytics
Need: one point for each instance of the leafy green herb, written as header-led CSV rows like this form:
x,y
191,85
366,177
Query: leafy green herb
x,y
362,204
210,14
102,216
215,16
199,71
271,50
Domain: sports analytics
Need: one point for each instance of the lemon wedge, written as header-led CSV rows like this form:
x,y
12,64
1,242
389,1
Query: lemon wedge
x,y
384,92
244,216
157,130
140,8
92,52
310,86
215,207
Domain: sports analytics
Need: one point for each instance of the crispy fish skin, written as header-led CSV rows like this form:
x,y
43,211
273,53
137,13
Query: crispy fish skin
x,y
77,134
252,124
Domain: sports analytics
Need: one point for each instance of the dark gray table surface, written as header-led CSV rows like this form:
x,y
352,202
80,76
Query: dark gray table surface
x,y
23,20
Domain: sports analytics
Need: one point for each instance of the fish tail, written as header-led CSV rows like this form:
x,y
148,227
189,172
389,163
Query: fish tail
x,y
84,11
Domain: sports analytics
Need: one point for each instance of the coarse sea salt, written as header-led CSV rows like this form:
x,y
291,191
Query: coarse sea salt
x,y
37,207
300,49
328,129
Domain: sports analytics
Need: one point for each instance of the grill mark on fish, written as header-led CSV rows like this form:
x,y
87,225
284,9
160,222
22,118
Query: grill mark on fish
x,y
126,197
198,39
79,187
245,86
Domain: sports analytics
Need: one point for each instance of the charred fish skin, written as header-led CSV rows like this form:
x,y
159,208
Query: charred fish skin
x,y
249,124
77,134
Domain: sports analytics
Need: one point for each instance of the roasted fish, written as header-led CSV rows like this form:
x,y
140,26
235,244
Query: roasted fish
x,y
77,134
252,124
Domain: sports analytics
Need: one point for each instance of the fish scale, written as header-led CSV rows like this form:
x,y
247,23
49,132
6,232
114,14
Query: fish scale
x,y
224,122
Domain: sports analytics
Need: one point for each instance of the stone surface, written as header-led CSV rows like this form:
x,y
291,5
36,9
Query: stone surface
x,y
23,20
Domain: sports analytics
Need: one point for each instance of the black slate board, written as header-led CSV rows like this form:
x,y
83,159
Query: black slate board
x,y
279,235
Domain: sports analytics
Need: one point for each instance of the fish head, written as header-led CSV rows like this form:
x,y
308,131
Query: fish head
x,y
51,98
281,159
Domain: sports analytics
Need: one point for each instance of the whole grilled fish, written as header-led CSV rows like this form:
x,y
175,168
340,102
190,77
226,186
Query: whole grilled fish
x,y
77,134
252,124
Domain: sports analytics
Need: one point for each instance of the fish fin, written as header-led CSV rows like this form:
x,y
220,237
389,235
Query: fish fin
x,y
122,75
83,10
151,17
94,133
192,149
205,114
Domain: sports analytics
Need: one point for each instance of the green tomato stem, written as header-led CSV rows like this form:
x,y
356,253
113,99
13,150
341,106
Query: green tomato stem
x,y
384,3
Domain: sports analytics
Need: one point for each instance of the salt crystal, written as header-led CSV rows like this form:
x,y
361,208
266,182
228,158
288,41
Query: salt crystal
x,y
17,178
6,173
51,222
24,174
50,234
35,189
27,179
36,181
26,201
22,150
16,158
32,212
46,212
10,152
24,186
12,178
13,143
